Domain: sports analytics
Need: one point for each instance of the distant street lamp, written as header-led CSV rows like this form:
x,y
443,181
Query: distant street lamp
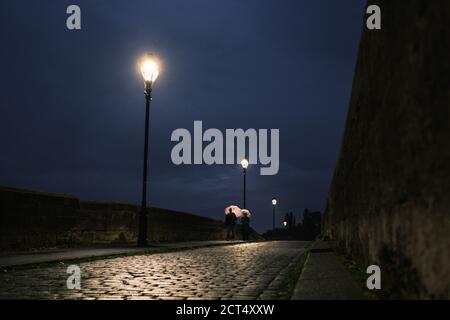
x,y
149,69
274,203
285,224
244,164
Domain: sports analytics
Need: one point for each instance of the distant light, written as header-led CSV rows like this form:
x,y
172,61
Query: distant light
x,y
149,68
244,163
285,223
274,201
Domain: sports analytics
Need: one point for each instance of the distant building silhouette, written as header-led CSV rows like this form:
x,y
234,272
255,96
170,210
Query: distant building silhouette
x,y
312,224
312,219
308,229
289,218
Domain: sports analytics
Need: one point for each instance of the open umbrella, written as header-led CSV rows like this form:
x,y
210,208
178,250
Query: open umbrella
x,y
249,214
235,209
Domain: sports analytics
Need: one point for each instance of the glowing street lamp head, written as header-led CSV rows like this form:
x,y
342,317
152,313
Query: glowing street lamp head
x,y
274,201
285,223
149,68
244,163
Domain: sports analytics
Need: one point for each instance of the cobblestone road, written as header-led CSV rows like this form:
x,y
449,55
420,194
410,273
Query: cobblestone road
x,y
244,271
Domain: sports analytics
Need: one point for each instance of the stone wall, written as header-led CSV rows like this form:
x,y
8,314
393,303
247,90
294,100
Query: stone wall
x,y
389,202
30,219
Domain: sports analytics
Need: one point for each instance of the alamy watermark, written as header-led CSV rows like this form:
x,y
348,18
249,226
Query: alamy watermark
x,y
191,149
373,22
374,280
73,21
73,282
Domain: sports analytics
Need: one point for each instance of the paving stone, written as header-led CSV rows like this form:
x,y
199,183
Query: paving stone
x,y
247,271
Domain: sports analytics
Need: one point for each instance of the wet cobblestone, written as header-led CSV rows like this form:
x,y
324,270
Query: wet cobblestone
x,y
245,271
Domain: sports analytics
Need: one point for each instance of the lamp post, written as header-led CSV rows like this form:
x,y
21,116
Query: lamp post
x,y
149,70
274,203
244,164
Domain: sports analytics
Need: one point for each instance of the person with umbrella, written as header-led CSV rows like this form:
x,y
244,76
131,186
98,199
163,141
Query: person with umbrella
x,y
245,222
230,223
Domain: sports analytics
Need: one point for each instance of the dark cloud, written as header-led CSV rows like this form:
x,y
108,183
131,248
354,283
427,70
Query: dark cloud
x,y
72,102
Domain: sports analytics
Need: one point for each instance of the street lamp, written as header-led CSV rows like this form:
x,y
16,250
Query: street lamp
x,y
274,203
244,164
150,71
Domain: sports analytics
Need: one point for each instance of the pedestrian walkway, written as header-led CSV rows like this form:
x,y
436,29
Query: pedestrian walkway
x,y
324,277
15,259
245,271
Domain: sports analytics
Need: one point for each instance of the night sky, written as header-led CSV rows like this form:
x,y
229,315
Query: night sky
x,y
72,103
